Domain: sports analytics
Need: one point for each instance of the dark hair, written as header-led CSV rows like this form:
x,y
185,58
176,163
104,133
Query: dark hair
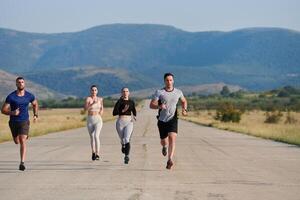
x,y
124,88
19,78
93,86
168,74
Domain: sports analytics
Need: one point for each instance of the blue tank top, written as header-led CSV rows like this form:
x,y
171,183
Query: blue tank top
x,y
20,102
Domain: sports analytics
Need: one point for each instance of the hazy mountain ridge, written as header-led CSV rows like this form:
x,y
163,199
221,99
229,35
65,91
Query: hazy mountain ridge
x,y
205,89
253,58
8,85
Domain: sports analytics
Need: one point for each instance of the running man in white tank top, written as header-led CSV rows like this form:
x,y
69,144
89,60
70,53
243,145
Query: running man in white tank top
x,y
166,100
94,106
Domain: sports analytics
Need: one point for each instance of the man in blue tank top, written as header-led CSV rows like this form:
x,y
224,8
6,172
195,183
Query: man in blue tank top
x,y
166,100
16,106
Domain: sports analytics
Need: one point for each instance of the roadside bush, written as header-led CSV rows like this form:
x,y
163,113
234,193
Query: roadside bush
x,y
227,113
273,117
290,119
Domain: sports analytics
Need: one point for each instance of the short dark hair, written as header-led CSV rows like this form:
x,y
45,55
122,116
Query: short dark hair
x,y
19,78
168,74
124,88
93,86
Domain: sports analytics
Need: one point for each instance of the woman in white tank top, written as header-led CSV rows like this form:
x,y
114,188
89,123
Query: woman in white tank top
x,y
94,106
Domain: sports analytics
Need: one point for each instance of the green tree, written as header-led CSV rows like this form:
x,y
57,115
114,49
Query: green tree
x,y
225,91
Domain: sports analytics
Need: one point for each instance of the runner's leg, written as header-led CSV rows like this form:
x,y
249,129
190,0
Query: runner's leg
x,y
91,130
172,140
98,128
22,139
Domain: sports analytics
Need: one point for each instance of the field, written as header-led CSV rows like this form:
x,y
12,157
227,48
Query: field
x,y
52,120
252,123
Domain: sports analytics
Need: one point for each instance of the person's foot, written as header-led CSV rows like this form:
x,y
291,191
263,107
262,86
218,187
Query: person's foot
x,y
93,156
97,157
169,164
126,159
164,151
123,149
22,166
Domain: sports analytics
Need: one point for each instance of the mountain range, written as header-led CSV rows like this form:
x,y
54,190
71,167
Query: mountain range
x,y
137,56
8,84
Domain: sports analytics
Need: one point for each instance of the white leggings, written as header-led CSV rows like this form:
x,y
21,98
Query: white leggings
x,y
124,128
94,125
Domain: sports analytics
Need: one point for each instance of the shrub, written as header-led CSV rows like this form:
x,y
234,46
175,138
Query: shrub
x,y
227,113
283,93
290,119
273,117
225,91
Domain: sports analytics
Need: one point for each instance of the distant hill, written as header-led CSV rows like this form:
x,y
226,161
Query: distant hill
x,y
205,89
253,58
77,81
8,84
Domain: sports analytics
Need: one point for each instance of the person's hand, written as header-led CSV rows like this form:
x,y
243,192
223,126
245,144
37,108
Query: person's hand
x,y
163,106
125,108
16,112
134,117
93,101
35,118
184,112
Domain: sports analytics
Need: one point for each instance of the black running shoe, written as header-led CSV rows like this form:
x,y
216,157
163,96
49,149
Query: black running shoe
x,y
93,156
164,151
169,164
22,167
97,157
126,159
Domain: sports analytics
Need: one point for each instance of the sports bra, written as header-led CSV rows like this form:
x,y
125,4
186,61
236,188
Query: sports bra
x,y
96,107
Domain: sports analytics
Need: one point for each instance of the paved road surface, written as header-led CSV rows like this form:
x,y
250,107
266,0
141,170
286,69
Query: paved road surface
x,y
210,164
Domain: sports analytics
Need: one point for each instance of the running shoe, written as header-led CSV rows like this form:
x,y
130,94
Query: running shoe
x,y
93,156
164,151
22,167
169,164
97,157
126,159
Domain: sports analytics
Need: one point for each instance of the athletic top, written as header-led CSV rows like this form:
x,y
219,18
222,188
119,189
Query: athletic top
x,y
170,99
20,102
96,107
120,105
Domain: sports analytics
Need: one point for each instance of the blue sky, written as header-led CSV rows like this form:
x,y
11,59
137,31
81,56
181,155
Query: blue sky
x,y
54,16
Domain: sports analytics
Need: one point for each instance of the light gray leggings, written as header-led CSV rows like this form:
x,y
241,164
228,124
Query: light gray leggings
x,y
124,128
94,125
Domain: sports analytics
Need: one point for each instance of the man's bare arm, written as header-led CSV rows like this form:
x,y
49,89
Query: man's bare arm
x,y
6,110
184,106
35,107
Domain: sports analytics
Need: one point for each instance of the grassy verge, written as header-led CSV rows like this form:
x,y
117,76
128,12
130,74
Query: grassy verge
x,y
52,120
252,123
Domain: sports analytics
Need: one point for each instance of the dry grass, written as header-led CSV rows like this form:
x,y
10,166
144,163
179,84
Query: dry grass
x,y
52,120
252,123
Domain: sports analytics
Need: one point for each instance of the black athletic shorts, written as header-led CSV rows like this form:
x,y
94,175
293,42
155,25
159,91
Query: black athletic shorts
x,y
166,127
19,128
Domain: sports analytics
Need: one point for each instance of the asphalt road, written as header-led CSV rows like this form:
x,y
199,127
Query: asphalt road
x,y
209,164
